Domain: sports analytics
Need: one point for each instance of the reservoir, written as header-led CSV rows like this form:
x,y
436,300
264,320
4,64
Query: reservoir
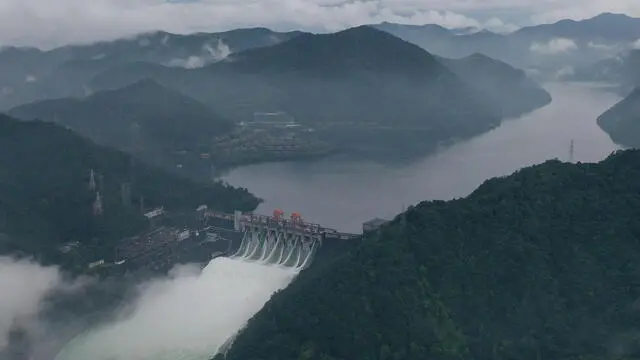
x,y
343,193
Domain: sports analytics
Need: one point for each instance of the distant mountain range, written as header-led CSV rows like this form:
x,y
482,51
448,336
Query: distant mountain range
x,y
143,118
357,87
622,121
546,47
46,200
31,74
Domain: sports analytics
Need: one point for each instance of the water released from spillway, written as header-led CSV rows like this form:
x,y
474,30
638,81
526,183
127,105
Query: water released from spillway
x,y
189,316
277,248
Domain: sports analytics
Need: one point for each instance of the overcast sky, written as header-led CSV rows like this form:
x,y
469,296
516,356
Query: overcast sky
x,y
47,23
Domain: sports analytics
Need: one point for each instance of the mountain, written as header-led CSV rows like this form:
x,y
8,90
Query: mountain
x,y
143,118
623,69
622,121
45,199
508,88
605,27
350,86
451,43
65,71
541,264
178,50
546,47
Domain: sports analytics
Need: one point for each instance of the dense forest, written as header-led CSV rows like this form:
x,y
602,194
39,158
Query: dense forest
x,y
541,264
46,200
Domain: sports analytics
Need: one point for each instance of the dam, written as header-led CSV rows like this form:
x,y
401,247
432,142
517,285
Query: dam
x,y
194,315
201,235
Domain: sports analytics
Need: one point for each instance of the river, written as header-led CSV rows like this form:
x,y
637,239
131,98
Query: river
x,y
342,193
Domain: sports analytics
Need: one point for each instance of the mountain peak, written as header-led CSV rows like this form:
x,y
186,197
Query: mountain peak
x,y
145,82
358,48
481,56
361,32
610,15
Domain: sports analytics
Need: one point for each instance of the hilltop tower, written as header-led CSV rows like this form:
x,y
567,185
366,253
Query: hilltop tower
x,y
92,181
97,205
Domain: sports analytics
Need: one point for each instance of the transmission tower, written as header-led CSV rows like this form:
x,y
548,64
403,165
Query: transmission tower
x,y
92,181
571,148
97,205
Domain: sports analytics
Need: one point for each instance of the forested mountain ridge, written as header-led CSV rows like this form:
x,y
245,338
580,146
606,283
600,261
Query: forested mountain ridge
x,y
32,74
622,121
143,118
363,91
360,48
508,88
537,265
356,75
45,199
615,31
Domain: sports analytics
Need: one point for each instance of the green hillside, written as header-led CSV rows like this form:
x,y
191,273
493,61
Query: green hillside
x,y
45,198
541,264
144,118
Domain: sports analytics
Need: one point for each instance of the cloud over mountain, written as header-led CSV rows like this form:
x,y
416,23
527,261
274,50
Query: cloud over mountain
x,y
46,23
554,46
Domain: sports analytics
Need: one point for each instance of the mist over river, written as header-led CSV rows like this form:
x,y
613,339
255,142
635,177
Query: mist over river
x,y
343,193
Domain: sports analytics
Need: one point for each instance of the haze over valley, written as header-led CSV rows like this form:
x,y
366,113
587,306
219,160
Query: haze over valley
x,y
396,183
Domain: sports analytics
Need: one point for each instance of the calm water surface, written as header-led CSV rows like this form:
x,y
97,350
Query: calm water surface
x,y
342,193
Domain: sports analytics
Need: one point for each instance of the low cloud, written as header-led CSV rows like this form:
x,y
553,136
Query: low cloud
x,y
554,46
602,47
189,314
565,72
23,286
26,293
636,45
496,25
210,55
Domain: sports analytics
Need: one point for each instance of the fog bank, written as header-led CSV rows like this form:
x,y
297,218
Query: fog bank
x,y
188,315
23,286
